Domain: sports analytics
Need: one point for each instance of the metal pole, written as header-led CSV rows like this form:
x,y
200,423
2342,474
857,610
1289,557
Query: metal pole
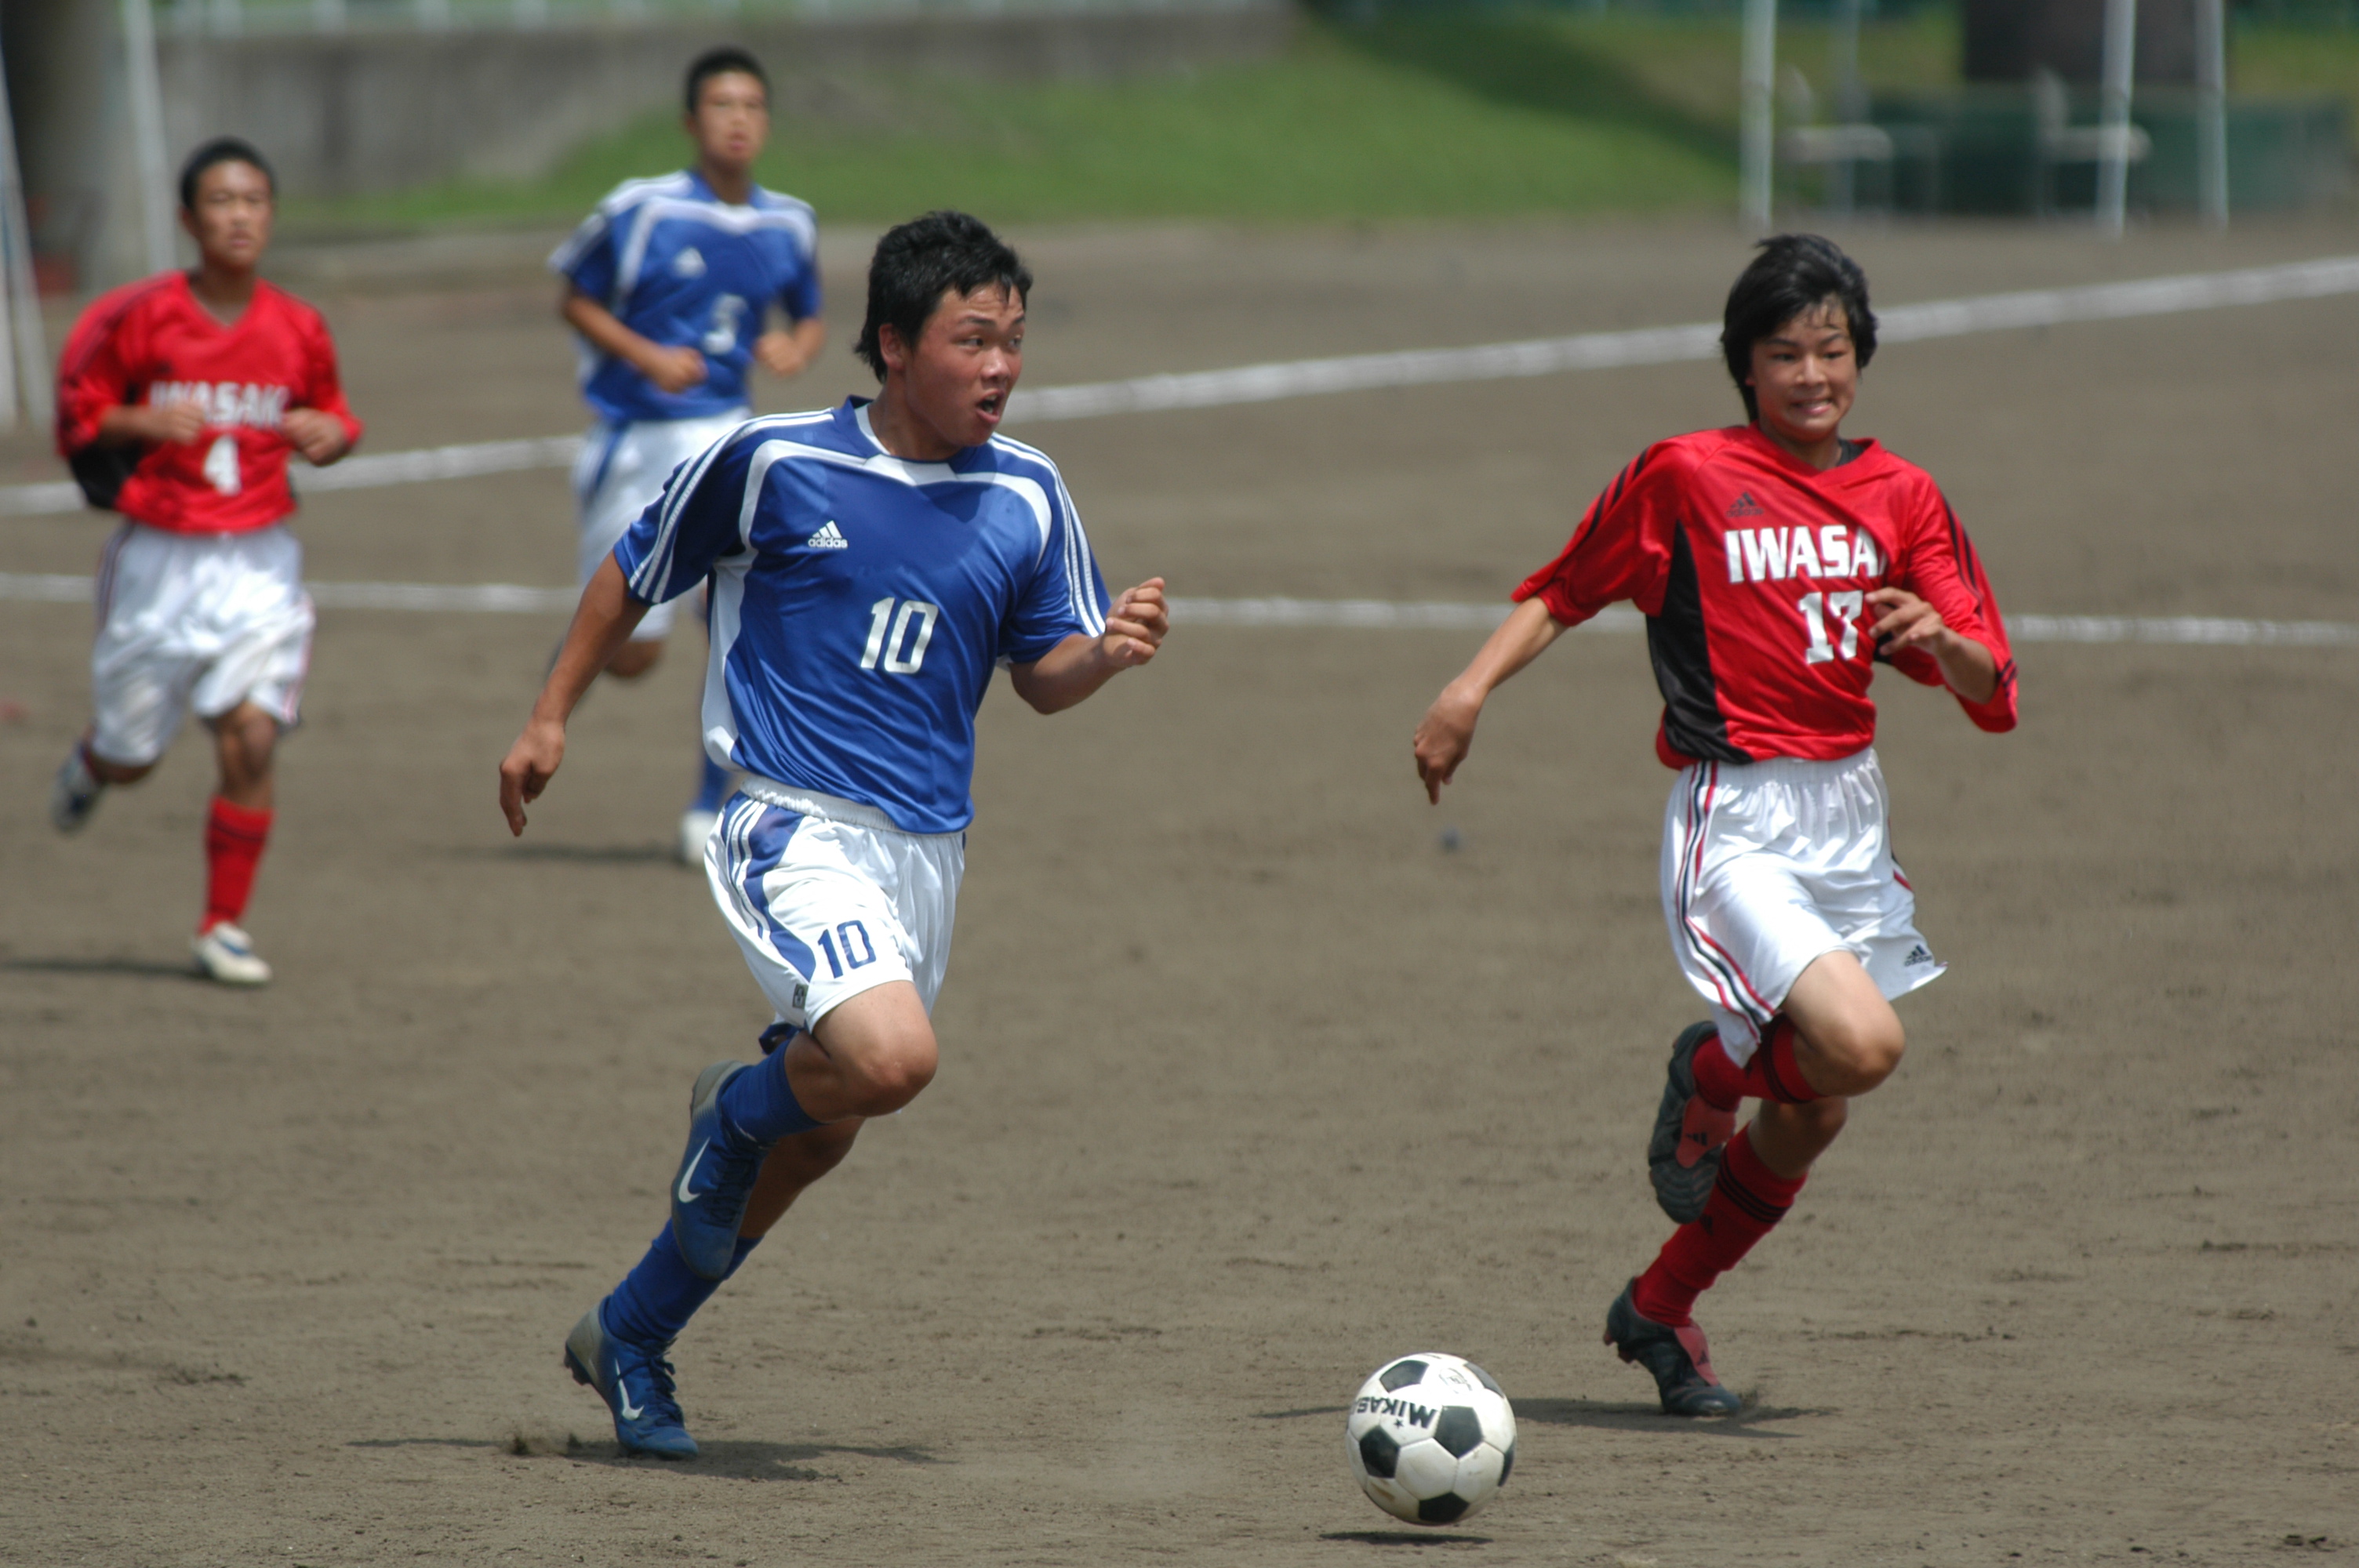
x,y
146,94
2114,116
1850,101
20,324
2211,112
1755,146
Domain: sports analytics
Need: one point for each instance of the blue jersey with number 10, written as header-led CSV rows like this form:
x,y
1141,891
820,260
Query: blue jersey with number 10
x,y
860,601
681,267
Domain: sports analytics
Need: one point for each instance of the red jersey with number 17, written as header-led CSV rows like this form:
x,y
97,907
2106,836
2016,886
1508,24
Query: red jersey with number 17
x,y
153,343
1753,570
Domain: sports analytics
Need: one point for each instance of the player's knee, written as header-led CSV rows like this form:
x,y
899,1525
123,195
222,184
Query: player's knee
x,y
1863,1051
883,1080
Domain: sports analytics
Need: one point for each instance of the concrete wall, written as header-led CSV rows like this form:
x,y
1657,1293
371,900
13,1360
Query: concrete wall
x,y
345,113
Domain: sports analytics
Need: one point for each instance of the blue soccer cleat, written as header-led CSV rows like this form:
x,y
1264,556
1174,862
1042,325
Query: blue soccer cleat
x,y
636,1382
716,1176
1679,1358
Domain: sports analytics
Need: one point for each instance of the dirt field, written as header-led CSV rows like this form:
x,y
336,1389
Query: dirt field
x,y
1248,1085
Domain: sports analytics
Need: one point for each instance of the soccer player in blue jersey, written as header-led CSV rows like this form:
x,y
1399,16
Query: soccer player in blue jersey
x,y
669,286
871,565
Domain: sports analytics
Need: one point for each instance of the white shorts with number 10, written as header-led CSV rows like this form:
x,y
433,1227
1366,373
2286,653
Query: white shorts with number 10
x,y
828,899
1769,865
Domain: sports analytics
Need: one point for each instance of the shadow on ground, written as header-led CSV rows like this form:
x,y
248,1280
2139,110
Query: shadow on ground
x,y
1615,1416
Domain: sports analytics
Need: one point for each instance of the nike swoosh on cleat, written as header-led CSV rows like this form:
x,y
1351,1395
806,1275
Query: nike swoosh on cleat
x,y
684,1194
622,1397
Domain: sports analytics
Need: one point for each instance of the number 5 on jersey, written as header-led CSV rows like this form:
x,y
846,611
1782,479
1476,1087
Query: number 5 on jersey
x,y
898,640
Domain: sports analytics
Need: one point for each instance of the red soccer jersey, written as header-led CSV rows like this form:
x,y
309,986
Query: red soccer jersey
x,y
1753,570
152,342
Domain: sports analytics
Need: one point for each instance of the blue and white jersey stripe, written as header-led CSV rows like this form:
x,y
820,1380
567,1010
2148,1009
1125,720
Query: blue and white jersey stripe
x,y
860,601
681,267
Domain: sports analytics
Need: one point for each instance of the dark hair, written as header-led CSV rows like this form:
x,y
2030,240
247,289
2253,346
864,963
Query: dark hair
x,y
919,261
723,62
1794,274
222,149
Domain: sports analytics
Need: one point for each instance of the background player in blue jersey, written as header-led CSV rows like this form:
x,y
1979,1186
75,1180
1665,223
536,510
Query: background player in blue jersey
x,y
669,283
871,566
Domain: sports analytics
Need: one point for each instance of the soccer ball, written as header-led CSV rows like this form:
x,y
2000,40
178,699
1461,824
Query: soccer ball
x,y
1430,1437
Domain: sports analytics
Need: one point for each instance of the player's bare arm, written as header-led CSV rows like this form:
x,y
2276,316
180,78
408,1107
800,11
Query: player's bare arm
x,y
320,437
1446,734
1909,622
177,423
787,352
1073,670
600,623
673,369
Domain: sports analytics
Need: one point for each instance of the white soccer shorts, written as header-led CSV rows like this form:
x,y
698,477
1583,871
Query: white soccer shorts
x,y
623,467
195,621
828,899
1768,865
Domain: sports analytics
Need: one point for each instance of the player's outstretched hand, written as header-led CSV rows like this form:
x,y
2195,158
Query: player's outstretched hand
x,y
1907,622
531,762
674,369
318,436
1137,625
1445,736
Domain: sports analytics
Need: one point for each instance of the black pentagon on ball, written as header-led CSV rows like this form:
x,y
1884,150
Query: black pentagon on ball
x,y
1507,1464
1487,1380
1443,1510
1400,1374
1458,1429
1379,1452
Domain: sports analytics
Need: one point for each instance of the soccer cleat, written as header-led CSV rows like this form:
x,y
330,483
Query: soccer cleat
x,y
695,828
74,796
622,1373
716,1176
1683,1156
1679,1357
225,953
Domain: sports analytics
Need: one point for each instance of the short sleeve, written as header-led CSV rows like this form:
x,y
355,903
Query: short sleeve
x,y
1622,549
325,388
1945,571
1066,595
698,519
94,372
800,297
587,258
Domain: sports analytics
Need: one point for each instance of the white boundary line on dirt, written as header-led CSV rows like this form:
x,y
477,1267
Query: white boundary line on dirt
x,y
1420,367
1344,614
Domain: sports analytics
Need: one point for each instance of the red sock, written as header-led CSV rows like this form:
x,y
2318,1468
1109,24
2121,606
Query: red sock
x,y
1748,1200
234,840
1771,1074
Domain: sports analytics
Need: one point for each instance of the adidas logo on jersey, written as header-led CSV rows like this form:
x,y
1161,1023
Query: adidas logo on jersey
x,y
1746,506
828,538
690,263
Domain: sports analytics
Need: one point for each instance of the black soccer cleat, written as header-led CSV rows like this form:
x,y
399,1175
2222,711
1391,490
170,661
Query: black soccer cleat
x,y
1679,1357
1683,1156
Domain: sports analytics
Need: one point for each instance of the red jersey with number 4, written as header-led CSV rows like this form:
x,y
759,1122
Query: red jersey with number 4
x,y
1753,570
151,342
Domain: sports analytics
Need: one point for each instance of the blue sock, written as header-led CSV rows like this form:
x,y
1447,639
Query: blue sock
x,y
760,1103
711,785
656,1300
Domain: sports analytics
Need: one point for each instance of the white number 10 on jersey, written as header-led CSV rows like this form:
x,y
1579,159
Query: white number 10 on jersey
x,y
898,641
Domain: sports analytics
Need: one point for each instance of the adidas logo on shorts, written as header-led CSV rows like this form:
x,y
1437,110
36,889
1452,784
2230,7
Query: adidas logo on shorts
x,y
829,538
1916,955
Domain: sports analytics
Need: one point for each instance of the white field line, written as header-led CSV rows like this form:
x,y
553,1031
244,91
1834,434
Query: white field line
x,y
1346,614
1420,367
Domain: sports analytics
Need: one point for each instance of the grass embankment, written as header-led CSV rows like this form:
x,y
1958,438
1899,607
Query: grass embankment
x,y
1465,116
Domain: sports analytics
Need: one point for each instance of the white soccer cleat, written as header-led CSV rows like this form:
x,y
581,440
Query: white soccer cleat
x,y
225,953
695,828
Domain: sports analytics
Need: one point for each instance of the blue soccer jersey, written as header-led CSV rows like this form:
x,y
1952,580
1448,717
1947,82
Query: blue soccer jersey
x,y
681,267
860,601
